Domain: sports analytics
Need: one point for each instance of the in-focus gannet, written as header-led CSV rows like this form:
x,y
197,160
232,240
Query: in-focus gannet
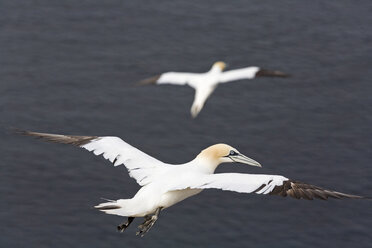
x,y
205,83
164,185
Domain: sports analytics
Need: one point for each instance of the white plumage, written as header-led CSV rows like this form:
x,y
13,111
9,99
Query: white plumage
x,y
140,165
205,83
164,185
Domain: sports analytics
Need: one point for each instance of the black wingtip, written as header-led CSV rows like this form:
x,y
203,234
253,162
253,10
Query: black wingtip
x,y
25,132
365,197
301,190
269,73
19,131
148,81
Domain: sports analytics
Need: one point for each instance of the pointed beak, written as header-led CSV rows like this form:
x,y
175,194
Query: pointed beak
x,y
240,158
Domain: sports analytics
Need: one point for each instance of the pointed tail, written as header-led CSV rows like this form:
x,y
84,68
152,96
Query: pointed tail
x,y
118,207
107,206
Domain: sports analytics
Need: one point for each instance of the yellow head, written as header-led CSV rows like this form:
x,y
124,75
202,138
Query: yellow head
x,y
222,153
220,65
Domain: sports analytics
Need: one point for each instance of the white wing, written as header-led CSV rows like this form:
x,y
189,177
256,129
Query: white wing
x,y
261,184
179,78
140,165
242,183
238,74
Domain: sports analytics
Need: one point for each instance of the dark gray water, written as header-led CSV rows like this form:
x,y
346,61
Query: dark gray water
x,y
69,66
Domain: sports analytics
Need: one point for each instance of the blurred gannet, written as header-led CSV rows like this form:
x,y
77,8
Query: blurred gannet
x,y
205,83
164,185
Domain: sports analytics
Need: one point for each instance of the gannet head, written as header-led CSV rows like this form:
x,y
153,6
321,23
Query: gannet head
x,y
222,153
219,65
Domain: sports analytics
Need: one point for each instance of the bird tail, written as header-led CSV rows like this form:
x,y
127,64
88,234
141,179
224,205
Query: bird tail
x,y
113,207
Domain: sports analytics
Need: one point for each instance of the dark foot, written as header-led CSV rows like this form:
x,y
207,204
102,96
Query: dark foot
x,y
146,226
149,222
122,227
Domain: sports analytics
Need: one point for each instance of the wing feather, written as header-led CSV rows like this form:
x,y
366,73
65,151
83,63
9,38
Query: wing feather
x,y
179,78
249,73
263,184
242,183
140,165
307,191
238,74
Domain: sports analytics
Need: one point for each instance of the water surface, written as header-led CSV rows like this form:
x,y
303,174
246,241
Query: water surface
x,y
69,67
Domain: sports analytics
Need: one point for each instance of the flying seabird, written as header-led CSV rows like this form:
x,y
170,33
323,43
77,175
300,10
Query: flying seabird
x,y
205,83
163,185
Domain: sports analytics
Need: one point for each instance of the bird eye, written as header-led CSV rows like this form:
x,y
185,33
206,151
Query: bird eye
x,y
233,153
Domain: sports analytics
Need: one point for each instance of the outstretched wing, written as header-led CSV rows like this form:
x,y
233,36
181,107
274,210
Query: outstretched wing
x,y
178,78
249,73
140,165
262,184
300,190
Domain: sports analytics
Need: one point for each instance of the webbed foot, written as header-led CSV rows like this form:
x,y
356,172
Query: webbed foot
x,y
148,223
123,226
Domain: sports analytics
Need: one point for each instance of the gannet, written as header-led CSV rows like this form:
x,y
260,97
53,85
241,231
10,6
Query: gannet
x,y
163,185
205,83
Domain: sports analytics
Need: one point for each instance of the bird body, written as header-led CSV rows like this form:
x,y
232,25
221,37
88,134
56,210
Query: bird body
x,y
205,83
156,194
166,187
163,185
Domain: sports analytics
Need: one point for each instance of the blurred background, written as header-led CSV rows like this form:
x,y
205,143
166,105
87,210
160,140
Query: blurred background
x,y
70,66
